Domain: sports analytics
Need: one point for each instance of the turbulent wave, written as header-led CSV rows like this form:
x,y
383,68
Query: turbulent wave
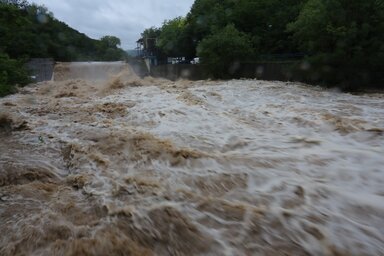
x,y
101,162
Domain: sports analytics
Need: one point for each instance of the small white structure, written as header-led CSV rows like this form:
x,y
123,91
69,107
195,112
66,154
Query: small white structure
x,y
195,60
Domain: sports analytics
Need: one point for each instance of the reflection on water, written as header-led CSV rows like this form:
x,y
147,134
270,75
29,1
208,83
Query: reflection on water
x,y
124,166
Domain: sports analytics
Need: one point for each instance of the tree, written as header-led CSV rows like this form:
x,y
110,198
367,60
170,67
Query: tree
x,y
221,52
17,3
265,21
205,18
108,49
12,73
31,31
110,41
345,39
170,40
149,37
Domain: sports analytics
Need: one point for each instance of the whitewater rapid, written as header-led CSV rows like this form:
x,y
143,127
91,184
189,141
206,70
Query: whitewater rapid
x,y
152,167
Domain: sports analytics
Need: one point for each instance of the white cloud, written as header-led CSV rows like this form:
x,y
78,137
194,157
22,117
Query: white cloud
x,y
125,19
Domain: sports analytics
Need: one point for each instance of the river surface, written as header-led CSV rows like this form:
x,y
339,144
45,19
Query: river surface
x,y
130,166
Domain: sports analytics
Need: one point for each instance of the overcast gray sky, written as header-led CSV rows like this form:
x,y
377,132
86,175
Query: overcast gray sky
x,y
125,19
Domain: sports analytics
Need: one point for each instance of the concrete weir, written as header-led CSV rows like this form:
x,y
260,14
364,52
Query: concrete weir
x,y
87,70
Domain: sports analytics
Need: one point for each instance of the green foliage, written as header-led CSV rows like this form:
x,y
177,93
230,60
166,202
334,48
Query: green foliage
x,y
29,30
148,38
108,49
12,73
205,18
222,51
110,41
267,32
345,39
151,32
171,36
16,3
263,20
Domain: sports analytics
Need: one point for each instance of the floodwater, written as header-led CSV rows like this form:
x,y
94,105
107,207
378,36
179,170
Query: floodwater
x,y
92,164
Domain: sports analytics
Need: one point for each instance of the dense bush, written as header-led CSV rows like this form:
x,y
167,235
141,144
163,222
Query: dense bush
x,y
346,39
343,40
222,51
12,73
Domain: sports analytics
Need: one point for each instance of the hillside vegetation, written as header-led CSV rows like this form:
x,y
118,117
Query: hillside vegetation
x,y
31,31
340,42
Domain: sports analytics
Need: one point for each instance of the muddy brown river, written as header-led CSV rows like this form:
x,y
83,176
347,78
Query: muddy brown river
x,y
101,162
